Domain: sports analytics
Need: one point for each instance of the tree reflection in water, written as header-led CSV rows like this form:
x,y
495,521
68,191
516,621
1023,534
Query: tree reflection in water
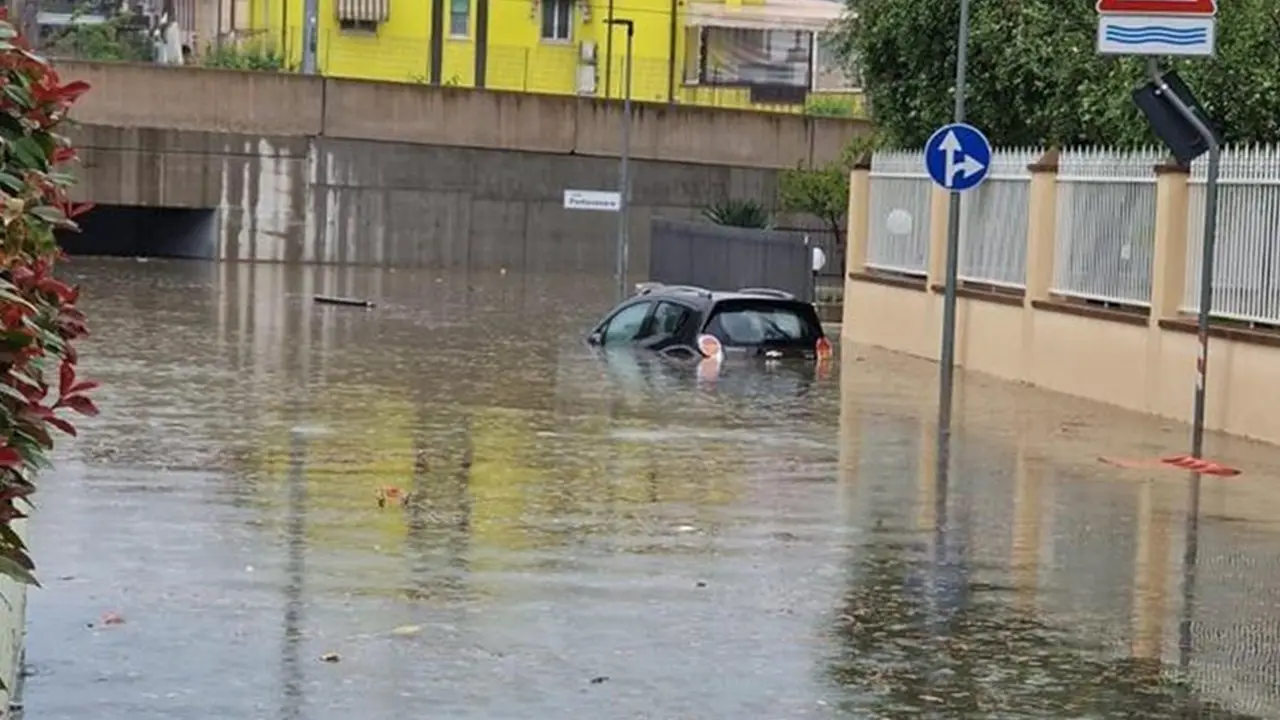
x,y
985,658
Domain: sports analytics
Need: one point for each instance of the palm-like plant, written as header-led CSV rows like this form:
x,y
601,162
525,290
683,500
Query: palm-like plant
x,y
739,213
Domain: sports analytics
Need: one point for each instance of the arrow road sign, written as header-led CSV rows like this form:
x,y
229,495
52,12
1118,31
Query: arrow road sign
x,y
958,157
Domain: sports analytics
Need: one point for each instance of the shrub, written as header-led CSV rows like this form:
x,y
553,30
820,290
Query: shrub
x,y
39,321
738,213
251,55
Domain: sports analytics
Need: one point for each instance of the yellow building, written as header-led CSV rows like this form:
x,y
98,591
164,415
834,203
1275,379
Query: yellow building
x,y
758,54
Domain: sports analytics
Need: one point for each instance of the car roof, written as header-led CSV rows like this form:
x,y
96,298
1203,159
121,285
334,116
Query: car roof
x,y
704,297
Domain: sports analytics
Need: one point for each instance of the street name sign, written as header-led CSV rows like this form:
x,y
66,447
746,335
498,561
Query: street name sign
x,y
958,157
602,200
1186,28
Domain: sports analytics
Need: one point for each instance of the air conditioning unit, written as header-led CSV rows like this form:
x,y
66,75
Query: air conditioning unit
x,y
586,79
587,52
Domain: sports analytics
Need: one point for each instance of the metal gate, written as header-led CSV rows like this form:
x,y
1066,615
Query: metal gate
x,y
719,257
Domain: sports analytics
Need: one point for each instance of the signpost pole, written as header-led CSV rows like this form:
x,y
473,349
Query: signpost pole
x,y
1209,240
946,360
624,159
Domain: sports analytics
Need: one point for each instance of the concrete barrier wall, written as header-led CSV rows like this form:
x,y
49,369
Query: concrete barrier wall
x,y
130,95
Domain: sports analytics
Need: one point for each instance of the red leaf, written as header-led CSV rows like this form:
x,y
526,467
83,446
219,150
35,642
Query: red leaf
x,y
72,90
66,377
75,209
62,425
83,386
10,458
81,404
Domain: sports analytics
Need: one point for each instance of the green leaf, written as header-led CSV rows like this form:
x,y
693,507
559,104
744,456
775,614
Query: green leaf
x,y
26,150
9,535
11,182
50,214
13,569
12,393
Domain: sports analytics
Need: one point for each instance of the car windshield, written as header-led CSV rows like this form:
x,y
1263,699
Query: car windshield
x,y
746,323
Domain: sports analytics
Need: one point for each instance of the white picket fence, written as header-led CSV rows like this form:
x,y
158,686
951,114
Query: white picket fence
x,y
993,221
1105,232
1106,224
899,182
1246,272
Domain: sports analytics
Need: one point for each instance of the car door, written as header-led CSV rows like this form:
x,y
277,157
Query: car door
x,y
626,326
667,326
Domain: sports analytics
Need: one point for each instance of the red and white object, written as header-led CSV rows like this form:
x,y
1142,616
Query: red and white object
x,y
1185,28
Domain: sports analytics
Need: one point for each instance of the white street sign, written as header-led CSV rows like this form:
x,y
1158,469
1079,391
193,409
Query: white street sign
x,y
602,200
1186,28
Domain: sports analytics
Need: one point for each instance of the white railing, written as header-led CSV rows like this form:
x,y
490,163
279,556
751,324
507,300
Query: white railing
x,y
993,221
899,182
1246,273
1106,221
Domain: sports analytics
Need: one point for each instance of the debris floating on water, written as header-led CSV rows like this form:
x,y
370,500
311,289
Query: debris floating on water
x,y
335,300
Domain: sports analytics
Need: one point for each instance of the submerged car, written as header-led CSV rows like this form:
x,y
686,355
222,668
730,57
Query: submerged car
x,y
694,323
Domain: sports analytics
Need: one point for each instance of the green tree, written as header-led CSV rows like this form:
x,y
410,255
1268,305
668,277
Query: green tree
x,y
1034,77
823,192
122,37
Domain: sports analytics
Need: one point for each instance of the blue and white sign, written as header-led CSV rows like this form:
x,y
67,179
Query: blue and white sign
x,y
958,157
1185,28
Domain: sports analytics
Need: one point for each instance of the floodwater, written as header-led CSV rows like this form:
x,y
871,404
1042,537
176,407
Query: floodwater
x,y
607,539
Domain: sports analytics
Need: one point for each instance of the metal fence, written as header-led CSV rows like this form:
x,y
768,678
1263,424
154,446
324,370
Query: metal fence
x,y
993,221
1106,225
728,258
1246,275
899,183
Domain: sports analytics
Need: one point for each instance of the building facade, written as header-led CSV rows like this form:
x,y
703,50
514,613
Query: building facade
x,y
751,54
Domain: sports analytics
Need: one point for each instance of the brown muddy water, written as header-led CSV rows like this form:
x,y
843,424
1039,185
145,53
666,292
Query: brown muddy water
x,y
602,539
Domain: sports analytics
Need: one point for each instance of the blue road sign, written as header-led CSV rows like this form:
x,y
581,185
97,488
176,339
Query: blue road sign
x,y
958,157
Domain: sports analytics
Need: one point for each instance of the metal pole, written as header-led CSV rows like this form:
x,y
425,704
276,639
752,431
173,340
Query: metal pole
x,y
624,184
310,35
608,51
1207,251
946,360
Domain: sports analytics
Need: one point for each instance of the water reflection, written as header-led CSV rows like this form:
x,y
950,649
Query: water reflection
x,y
765,546
1008,589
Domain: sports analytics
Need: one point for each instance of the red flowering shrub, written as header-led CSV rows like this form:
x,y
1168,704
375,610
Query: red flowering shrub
x,y
39,321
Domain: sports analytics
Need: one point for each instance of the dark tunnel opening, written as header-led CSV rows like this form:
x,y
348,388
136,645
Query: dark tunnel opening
x,y
128,231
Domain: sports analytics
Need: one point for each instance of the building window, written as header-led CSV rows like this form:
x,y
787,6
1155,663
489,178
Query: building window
x,y
362,15
557,17
459,18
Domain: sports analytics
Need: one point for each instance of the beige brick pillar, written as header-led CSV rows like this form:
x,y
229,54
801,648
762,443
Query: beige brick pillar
x,y
1169,259
859,233
1042,226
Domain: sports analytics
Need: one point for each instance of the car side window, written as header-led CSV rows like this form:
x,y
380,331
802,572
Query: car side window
x,y
669,318
626,324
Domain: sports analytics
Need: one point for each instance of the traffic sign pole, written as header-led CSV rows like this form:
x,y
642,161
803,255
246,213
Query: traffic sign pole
x,y
946,359
1206,256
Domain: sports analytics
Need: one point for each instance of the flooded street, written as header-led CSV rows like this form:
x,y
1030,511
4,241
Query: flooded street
x,y
584,538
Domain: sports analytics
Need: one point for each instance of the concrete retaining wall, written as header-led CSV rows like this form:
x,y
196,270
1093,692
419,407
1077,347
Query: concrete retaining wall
x,y
282,198
131,96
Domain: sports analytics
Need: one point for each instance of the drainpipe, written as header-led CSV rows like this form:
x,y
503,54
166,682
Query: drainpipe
x,y
671,52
